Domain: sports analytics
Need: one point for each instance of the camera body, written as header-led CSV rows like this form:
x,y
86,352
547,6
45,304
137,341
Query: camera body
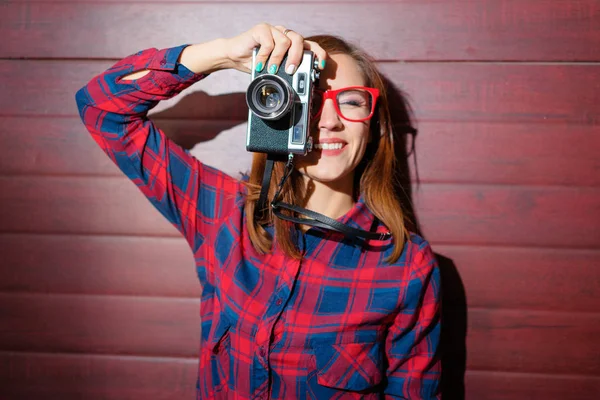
x,y
279,108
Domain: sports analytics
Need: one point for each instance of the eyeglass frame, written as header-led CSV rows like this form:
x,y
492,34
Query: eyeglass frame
x,y
332,95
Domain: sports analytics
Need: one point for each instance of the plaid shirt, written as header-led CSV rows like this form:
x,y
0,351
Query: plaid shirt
x,y
340,323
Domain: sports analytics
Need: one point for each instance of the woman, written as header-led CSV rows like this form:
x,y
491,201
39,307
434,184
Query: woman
x,y
287,311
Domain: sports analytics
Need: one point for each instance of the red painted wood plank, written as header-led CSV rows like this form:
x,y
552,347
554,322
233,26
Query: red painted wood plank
x,y
509,215
79,205
533,341
455,152
499,340
164,327
490,385
62,146
98,265
526,278
500,92
521,278
438,91
456,214
48,87
458,30
83,376
508,153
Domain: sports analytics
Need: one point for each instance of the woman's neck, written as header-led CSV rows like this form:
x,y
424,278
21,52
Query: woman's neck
x,y
332,199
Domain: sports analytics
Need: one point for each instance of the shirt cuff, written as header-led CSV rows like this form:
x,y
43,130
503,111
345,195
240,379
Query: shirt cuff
x,y
166,59
178,76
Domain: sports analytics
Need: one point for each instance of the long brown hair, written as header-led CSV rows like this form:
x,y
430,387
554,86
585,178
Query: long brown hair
x,y
376,177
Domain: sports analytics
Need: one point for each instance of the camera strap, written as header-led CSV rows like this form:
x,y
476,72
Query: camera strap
x,y
314,219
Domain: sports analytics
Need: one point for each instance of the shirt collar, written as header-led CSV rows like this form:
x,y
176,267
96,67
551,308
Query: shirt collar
x,y
359,216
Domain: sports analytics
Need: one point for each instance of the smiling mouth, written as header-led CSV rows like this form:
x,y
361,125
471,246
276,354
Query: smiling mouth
x,y
329,146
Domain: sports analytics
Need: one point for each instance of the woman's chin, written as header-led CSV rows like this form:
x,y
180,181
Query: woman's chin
x,y
323,175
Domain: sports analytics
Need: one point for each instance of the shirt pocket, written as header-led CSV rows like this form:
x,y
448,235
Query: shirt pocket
x,y
220,362
356,367
221,342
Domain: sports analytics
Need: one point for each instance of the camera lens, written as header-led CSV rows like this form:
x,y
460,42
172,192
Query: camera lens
x,y
269,97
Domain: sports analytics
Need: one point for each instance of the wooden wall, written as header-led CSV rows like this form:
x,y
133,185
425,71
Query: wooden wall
x,y
98,295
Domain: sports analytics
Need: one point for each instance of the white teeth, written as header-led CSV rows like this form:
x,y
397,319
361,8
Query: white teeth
x,y
329,146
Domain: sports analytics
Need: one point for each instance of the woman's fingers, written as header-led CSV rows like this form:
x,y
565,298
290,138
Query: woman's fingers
x,y
320,54
274,45
295,51
282,45
264,37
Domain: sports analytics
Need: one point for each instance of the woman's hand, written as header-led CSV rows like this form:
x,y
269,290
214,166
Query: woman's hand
x,y
274,42
236,52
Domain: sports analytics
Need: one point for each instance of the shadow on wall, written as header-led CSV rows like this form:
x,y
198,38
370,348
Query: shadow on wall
x,y
454,311
206,117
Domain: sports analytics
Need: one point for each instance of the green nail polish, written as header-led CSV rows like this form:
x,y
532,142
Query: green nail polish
x,y
273,69
259,66
322,64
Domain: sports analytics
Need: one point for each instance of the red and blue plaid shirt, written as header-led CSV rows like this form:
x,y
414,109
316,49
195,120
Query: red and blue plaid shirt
x,y
340,323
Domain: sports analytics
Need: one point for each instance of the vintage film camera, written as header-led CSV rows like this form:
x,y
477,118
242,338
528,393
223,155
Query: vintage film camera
x,y
279,115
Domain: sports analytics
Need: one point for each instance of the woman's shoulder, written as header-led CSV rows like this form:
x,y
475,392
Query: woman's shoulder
x,y
418,250
416,246
414,239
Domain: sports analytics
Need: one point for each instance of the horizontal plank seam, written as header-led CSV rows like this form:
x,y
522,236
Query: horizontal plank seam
x,y
493,184
416,184
163,299
204,2
549,246
379,61
487,62
99,355
101,234
177,236
117,175
479,371
197,300
536,311
228,121
190,360
540,120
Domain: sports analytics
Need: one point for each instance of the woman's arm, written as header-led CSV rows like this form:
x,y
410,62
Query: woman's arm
x,y
414,365
202,59
114,107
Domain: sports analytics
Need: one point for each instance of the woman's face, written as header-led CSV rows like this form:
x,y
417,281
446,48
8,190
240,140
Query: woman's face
x,y
344,141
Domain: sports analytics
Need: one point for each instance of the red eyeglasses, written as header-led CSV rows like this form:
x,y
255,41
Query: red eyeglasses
x,y
353,103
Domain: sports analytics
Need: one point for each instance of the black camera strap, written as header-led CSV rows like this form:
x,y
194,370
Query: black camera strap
x,y
266,181
314,219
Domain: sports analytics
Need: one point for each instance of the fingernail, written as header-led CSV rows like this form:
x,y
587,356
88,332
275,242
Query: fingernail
x,y
273,69
259,66
322,64
290,69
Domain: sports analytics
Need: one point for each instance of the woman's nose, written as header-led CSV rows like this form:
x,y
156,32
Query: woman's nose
x,y
329,119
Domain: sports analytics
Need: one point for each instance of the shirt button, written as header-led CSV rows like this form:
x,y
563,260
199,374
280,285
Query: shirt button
x,y
163,61
278,302
262,351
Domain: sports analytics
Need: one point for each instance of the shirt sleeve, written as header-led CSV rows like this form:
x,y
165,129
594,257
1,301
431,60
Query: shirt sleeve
x,y
192,196
414,366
